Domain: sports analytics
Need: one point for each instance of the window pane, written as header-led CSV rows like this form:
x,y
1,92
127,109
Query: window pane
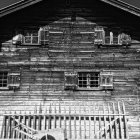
x,y
27,39
5,77
94,84
84,82
5,81
4,85
35,40
82,79
94,79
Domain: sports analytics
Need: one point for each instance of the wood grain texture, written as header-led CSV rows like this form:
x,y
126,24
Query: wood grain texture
x,y
42,71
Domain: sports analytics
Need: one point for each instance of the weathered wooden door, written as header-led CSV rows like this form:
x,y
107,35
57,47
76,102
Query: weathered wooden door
x,y
79,120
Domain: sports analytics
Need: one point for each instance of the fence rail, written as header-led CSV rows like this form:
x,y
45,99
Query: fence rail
x,y
106,121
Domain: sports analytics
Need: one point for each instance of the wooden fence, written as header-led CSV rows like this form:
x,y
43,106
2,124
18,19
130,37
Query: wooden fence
x,y
79,121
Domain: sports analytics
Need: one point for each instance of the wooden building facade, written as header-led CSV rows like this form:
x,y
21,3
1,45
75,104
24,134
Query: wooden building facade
x,y
72,65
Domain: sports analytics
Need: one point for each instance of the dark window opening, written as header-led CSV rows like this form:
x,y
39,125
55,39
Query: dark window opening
x,y
3,79
88,79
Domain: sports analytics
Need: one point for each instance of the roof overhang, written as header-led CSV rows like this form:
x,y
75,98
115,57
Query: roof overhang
x,y
124,6
17,6
25,3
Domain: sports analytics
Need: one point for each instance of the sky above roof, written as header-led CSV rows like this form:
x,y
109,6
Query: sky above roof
x,y
5,3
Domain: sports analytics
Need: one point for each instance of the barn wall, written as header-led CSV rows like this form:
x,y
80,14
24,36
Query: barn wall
x,y
42,70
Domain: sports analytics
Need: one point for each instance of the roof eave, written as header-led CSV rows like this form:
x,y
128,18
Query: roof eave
x,y
22,4
126,7
17,6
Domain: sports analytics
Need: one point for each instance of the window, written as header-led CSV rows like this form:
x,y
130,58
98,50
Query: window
x,y
17,39
99,35
31,38
70,80
44,35
88,79
3,79
106,80
13,80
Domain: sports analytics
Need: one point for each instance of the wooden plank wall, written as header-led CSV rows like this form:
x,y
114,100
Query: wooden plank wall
x,y
42,68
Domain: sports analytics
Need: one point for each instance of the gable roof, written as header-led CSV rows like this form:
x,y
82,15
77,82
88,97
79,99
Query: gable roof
x,y
5,3
135,3
17,6
125,5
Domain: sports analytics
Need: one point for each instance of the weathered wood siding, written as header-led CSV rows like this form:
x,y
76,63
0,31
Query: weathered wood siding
x,y
42,69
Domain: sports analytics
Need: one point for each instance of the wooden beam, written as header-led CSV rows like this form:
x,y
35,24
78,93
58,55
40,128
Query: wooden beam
x,y
3,127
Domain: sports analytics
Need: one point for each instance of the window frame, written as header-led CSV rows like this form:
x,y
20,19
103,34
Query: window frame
x,y
31,39
43,35
105,76
105,81
88,87
6,87
31,34
70,85
14,79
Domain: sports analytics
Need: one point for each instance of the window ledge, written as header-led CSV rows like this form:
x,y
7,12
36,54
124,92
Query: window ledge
x,y
88,89
4,88
13,85
29,44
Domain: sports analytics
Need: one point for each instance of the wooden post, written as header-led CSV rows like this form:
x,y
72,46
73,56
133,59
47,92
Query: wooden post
x,y
95,122
55,112
74,122
65,119
24,120
45,119
100,135
34,121
59,115
49,117
120,122
19,119
28,124
115,124
7,124
105,130
79,121
54,117
39,121
90,126
69,122
84,127
75,127
14,124
3,127
125,123
110,126
10,126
